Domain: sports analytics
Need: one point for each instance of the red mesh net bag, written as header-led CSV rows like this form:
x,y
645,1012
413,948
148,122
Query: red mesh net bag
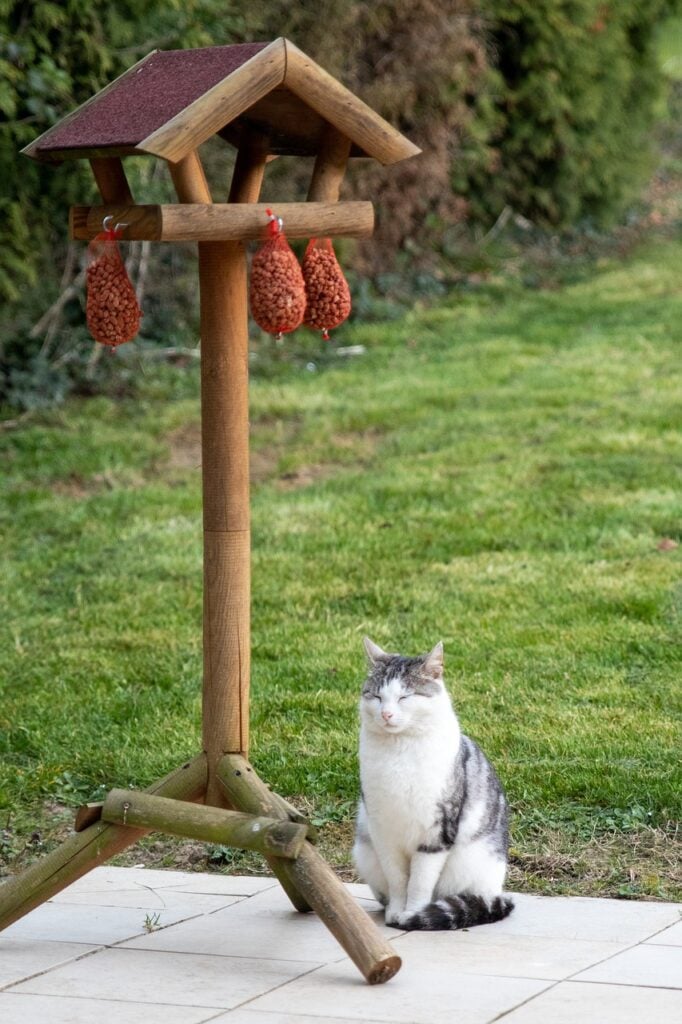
x,y
277,290
112,311
327,292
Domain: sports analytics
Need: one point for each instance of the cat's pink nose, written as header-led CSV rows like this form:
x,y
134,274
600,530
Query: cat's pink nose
x,y
386,715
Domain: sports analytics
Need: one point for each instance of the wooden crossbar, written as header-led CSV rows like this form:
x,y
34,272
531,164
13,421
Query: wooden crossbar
x,y
263,834
204,222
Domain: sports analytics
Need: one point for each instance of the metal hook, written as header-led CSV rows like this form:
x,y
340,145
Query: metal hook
x,y
120,224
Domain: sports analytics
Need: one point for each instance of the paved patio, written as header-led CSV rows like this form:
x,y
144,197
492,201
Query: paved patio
x,y
231,949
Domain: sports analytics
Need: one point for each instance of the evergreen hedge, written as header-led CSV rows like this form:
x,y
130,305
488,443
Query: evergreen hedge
x,y
578,85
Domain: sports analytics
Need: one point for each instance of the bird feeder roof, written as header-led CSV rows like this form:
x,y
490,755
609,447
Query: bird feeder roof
x,y
173,100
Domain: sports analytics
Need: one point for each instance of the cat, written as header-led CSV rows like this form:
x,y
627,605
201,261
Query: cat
x,y
432,827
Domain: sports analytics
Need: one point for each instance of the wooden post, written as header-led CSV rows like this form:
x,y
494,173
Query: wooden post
x,y
315,882
225,465
111,179
249,168
88,849
225,474
329,167
267,836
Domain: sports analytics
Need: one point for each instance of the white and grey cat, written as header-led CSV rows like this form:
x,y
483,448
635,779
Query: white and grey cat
x,y
432,827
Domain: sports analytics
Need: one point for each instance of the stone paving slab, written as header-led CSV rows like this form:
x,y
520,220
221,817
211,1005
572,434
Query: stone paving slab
x,y
265,925
576,1003
180,979
21,958
95,924
17,1008
232,950
421,993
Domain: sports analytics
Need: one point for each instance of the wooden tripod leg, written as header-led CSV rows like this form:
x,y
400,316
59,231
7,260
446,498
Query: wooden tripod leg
x,y
88,849
350,926
246,792
313,881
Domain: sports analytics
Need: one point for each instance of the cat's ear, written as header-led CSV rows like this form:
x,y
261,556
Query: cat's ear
x,y
373,651
433,661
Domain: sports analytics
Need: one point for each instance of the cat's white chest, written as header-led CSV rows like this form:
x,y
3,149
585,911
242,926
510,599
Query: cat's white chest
x,y
403,783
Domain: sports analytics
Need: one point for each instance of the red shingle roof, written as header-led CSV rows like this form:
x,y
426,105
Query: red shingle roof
x,y
146,97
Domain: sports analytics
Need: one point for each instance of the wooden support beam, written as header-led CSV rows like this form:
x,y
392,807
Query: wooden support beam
x,y
249,168
330,167
319,90
313,880
351,926
225,468
189,179
221,222
267,836
88,849
111,180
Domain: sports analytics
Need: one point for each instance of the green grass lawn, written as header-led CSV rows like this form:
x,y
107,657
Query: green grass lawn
x,y
498,472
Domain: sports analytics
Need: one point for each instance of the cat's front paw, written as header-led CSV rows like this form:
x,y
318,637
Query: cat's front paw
x,y
394,912
406,920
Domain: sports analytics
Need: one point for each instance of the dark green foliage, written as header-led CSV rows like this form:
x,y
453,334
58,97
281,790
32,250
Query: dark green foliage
x,y
54,56
578,86
424,67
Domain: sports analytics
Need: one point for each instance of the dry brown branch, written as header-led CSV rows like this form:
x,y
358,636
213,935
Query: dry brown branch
x,y
57,306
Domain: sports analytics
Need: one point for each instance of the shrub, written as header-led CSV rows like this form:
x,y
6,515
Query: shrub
x,y
578,84
423,66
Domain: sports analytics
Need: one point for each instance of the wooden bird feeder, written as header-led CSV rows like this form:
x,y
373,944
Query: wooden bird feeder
x,y
265,99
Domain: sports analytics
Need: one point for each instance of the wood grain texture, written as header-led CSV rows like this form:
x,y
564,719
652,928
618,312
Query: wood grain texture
x,y
227,656
88,849
329,167
247,792
238,774
353,929
311,879
225,484
111,180
292,126
225,222
344,110
144,223
249,168
86,815
218,106
189,179
209,824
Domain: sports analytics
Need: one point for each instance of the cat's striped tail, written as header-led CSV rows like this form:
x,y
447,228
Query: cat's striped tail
x,y
459,912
